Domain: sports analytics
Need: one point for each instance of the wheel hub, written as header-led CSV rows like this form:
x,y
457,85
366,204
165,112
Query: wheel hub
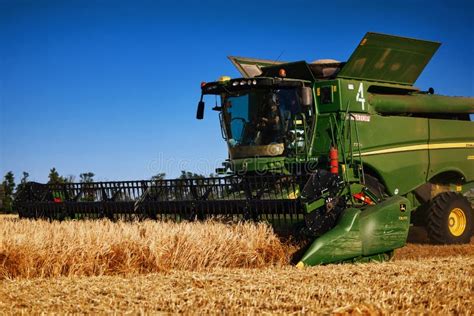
x,y
457,222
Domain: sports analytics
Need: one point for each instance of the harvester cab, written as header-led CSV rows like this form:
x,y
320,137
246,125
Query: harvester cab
x,y
267,118
340,152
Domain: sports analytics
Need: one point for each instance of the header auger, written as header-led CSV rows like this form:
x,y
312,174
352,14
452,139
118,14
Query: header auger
x,y
349,154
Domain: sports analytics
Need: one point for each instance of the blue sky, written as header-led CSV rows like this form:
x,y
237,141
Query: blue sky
x,y
112,86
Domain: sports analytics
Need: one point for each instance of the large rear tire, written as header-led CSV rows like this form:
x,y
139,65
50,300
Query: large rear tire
x,y
450,219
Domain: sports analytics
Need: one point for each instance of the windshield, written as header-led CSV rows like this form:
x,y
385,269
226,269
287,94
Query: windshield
x,y
261,117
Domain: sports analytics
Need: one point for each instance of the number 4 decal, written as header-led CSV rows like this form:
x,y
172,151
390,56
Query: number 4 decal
x,y
360,96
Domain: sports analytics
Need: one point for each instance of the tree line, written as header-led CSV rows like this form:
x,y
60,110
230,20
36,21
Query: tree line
x,y
8,187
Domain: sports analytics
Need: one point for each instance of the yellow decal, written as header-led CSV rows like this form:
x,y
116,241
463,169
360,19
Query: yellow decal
x,y
300,265
470,157
420,147
318,91
294,195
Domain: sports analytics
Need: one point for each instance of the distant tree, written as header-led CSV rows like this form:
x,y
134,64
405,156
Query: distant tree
x,y
54,177
70,178
158,176
23,181
185,190
25,177
87,177
156,191
190,175
89,191
2,197
8,186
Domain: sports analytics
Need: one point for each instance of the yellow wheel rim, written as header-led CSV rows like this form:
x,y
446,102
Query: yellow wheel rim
x,y
457,221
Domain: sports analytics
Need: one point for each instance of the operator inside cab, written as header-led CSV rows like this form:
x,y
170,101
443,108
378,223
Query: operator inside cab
x,y
269,127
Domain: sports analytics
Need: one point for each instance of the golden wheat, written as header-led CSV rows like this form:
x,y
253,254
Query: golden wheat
x,y
439,286
48,249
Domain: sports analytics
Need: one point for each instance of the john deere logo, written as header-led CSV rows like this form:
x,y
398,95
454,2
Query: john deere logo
x,y
403,207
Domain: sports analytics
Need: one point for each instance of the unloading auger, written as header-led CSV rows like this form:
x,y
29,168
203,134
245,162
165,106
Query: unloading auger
x,y
349,154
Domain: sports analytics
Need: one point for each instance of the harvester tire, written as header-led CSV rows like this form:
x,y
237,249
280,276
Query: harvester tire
x,y
450,219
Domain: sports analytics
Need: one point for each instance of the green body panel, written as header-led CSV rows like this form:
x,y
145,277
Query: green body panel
x,y
460,158
406,152
345,96
254,164
384,227
322,136
376,230
335,95
381,57
340,243
383,144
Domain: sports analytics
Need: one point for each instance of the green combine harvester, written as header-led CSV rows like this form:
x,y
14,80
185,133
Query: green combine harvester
x,y
348,154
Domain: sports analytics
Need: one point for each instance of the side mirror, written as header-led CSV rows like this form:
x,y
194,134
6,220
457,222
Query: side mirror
x,y
306,96
200,110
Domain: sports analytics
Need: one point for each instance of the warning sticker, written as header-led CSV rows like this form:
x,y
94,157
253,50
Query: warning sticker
x,y
360,117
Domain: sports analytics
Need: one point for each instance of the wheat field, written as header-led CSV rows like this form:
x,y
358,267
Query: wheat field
x,y
104,267
85,248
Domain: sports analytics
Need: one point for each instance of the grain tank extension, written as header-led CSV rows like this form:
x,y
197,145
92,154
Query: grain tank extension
x,y
349,154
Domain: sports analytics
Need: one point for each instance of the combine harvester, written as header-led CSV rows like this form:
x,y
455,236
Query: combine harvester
x,y
347,153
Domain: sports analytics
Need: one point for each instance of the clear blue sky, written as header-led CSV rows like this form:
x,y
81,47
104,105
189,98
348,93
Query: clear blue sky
x,y
111,87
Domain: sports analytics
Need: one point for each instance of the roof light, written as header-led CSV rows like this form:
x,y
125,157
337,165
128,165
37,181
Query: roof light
x,y
203,84
223,78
